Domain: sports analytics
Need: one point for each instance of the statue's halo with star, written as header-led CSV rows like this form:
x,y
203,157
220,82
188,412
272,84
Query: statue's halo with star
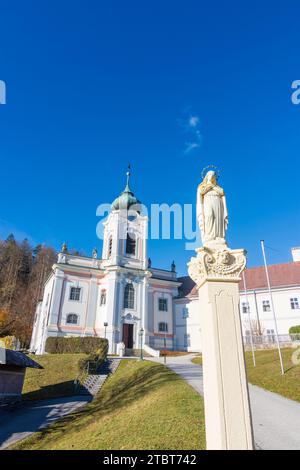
x,y
212,168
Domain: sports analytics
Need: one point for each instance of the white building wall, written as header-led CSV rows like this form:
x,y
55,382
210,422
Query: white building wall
x,y
37,327
160,339
42,318
188,326
162,316
79,308
188,331
296,253
101,310
181,324
285,315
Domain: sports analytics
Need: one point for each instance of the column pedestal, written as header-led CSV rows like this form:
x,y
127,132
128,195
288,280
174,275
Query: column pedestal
x,y
226,399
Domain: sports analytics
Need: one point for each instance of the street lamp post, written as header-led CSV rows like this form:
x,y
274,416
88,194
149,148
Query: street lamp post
x,y
165,347
105,326
141,343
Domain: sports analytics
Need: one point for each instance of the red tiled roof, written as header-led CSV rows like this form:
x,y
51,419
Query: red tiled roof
x,y
285,274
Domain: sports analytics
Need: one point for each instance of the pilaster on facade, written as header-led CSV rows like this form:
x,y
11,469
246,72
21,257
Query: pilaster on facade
x,y
90,320
57,292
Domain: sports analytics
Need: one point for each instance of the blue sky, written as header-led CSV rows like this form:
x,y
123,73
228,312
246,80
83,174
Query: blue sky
x,y
93,85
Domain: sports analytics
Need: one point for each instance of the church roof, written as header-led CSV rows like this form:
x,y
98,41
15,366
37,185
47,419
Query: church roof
x,y
126,199
281,275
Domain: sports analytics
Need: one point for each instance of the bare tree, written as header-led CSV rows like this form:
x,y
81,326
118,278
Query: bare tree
x,y
23,272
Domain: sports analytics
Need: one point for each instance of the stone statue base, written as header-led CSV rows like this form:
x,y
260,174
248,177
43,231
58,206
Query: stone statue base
x,y
227,410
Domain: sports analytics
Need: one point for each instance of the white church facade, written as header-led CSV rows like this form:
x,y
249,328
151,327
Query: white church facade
x,y
120,296
123,298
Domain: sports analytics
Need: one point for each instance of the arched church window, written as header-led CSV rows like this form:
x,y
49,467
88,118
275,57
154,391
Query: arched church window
x,y
110,244
130,244
163,327
103,297
129,296
72,319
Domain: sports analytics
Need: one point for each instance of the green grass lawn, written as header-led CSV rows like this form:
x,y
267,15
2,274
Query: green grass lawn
x,y
267,373
197,360
55,380
143,405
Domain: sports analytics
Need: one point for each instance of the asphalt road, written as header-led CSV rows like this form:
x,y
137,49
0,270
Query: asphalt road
x,y
276,420
25,420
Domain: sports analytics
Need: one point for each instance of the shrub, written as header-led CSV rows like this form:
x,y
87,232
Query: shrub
x,y
75,345
294,330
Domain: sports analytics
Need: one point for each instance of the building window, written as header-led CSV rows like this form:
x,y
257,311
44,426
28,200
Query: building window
x,y
187,340
185,312
129,296
103,297
163,327
130,244
266,306
294,303
245,307
72,319
110,244
163,305
271,336
75,293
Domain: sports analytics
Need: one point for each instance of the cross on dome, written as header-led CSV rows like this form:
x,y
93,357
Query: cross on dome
x,y
126,199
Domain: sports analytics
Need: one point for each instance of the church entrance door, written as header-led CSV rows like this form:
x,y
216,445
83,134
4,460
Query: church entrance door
x,y
128,335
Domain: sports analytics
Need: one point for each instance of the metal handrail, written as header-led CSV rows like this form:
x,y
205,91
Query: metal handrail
x,y
78,379
87,369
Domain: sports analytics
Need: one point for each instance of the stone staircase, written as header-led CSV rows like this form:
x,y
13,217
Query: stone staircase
x,y
94,382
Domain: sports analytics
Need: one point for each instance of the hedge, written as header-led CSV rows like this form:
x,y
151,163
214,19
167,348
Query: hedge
x,y
75,345
96,358
294,330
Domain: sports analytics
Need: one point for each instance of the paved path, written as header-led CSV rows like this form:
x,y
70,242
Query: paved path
x,y
23,421
276,420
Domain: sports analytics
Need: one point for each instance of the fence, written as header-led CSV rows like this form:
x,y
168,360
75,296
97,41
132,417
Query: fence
x,y
269,340
160,342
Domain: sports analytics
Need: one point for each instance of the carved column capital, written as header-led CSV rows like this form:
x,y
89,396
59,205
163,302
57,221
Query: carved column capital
x,y
217,265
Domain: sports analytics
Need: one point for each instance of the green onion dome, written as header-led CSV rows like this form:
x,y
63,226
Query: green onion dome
x,y
126,199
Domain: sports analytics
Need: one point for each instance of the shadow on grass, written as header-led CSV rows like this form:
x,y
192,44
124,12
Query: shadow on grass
x,y
62,389
127,385
289,369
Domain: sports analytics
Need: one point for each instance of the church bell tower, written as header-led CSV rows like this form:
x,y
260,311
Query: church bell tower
x,y
126,232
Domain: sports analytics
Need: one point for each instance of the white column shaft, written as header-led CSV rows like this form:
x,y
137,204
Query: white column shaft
x,y
227,410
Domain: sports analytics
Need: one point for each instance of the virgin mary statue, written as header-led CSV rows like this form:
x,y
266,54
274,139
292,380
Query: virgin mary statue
x,y
212,212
